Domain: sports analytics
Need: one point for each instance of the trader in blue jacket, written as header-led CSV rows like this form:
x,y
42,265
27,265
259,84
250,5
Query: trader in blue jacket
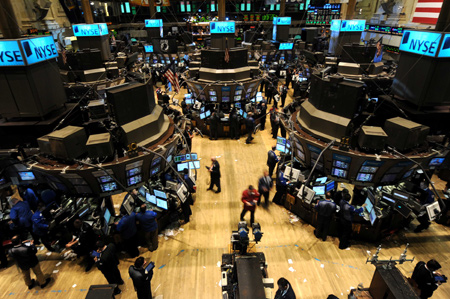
x,y
128,231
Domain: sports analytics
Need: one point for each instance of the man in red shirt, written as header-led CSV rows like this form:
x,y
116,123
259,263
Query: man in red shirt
x,y
249,198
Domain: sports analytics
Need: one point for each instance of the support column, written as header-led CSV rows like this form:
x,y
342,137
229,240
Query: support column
x,y
443,22
8,22
151,5
282,7
221,10
349,14
87,12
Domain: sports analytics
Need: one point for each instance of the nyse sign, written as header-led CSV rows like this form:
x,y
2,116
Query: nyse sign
x,y
10,54
222,27
81,30
282,21
153,23
348,25
445,48
421,42
27,51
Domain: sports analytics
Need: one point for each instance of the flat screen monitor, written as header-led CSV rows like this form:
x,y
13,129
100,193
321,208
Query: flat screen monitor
x,y
148,48
208,113
188,95
364,177
189,101
369,205
156,161
281,148
212,92
259,99
194,156
169,159
307,193
281,140
182,166
387,178
127,205
155,170
372,216
399,195
320,190
107,216
161,203
225,99
133,171
237,98
105,179
331,185
134,180
238,92
368,169
244,115
213,99
180,158
188,157
436,162
194,165
341,164
341,173
27,175
202,115
160,194
107,187
388,199
321,180
142,191
402,209
150,198
237,105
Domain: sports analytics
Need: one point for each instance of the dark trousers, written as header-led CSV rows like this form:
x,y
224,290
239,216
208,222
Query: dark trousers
x,y
345,233
275,130
112,275
187,212
213,133
424,223
275,103
234,132
271,168
3,258
269,99
278,197
46,241
266,197
86,252
249,136
215,181
252,215
288,82
323,225
131,246
151,238
144,293
263,123
283,100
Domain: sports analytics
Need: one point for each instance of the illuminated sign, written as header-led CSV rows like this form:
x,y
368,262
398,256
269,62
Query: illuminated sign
x,y
420,42
286,46
282,21
445,48
148,49
39,49
153,23
81,30
10,54
348,25
222,27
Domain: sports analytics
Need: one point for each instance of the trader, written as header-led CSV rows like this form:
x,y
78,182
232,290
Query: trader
x,y
285,290
147,220
107,262
250,124
234,125
265,184
272,160
325,208
29,196
424,278
249,198
128,231
346,219
83,242
213,126
426,197
283,94
214,170
281,186
262,114
40,227
141,280
20,216
26,259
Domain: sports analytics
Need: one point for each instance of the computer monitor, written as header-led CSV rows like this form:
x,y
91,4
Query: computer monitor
x,y
369,204
213,99
320,190
107,216
364,177
433,210
182,166
160,194
331,185
401,207
339,172
308,194
372,216
155,170
286,46
150,198
202,115
237,98
142,191
399,195
281,148
133,171
27,175
156,161
107,187
225,99
321,180
127,205
436,162
189,101
180,158
212,92
161,203
368,169
181,192
134,180
188,95
194,156
292,174
208,113
194,165
387,199
341,164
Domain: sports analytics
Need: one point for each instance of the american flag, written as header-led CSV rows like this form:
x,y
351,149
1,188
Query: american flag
x,y
227,51
427,11
171,74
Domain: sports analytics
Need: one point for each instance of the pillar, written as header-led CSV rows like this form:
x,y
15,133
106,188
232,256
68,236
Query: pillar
x,y
8,22
87,12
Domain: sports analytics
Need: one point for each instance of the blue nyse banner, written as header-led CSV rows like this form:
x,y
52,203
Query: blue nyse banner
x,y
445,48
348,25
222,27
153,23
10,54
80,30
148,48
282,21
39,49
286,46
421,42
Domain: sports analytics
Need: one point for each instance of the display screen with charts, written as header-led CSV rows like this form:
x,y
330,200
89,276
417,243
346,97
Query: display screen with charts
x,y
161,203
160,194
26,175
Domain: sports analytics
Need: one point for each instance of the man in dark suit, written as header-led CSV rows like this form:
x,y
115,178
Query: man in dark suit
x,y
325,210
250,124
141,279
265,184
107,262
263,116
345,220
424,277
213,126
272,160
128,231
26,259
234,125
285,290
214,170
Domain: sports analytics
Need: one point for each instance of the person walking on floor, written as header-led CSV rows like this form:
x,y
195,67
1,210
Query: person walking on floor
x,y
265,184
272,160
26,259
214,170
250,124
250,199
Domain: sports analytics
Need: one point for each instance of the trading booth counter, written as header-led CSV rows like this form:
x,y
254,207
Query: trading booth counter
x,y
223,127
362,229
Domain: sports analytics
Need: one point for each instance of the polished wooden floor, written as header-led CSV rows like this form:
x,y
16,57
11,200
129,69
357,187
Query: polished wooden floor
x,y
187,263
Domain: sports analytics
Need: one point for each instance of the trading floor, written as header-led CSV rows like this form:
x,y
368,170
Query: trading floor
x,y
187,263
